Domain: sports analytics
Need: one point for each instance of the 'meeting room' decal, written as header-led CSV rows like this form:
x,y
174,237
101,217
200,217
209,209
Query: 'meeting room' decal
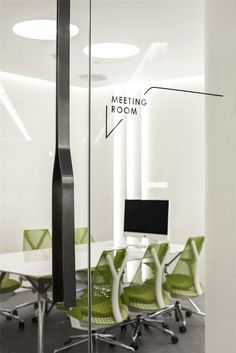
x,y
126,105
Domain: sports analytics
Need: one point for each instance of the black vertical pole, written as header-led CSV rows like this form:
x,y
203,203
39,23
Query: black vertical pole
x,y
63,250
90,340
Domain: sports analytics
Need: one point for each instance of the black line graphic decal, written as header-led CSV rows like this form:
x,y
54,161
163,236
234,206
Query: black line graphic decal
x,y
128,105
106,130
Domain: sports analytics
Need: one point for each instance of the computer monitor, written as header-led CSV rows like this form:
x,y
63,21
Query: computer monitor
x,y
146,218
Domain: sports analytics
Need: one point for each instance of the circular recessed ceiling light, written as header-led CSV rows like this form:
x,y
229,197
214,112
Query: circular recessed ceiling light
x,y
40,29
112,50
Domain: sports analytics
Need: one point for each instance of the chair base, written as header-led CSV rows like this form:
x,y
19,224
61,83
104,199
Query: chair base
x,y
140,321
96,336
24,305
178,309
9,315
35,304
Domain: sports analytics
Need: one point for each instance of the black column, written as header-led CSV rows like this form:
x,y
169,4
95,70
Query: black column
x,y
63,249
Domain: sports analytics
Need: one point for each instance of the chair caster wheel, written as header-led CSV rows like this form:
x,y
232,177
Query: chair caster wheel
x,y
8,318
21,325
36,306
67,342
110,344
146,325
165,326
182,329
174,339
134,345
123,328
188,313
177,319
34,320
15,312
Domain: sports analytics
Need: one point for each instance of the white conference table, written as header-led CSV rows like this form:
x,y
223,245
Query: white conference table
x,y
34,265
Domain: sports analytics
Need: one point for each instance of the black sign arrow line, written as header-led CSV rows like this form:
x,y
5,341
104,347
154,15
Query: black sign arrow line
x,y
108,134
183,90
166,89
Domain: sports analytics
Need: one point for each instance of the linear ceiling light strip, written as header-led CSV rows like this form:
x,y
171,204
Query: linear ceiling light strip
x,y
63,255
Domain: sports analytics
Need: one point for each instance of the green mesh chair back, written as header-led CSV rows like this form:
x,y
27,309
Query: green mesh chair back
x,y
145,291
107,308
8,285
184,280
81,236
37,239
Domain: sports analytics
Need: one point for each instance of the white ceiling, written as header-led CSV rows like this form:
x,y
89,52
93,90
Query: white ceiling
x,y
180,23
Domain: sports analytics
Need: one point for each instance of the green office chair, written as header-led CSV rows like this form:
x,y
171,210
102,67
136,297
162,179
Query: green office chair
x,y
107,309
35,239
145,293
184,281
7,289
81,236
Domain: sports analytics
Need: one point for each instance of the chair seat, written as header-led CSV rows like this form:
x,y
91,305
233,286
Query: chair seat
x,y
101,307
102,313
178,281
143,296
180,285
8,285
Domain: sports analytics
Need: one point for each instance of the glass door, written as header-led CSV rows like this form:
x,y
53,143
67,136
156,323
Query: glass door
x,y
147,144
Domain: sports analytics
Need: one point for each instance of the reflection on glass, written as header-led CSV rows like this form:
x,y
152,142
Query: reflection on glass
x,y
40,29
6,101
148,144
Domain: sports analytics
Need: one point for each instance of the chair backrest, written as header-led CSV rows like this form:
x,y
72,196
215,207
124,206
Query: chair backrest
x,y
7,286
81,236
37,239
150,271
189,261
106,284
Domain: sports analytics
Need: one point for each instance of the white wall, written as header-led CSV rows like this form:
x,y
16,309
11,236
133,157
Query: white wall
x,y
175,154
148,148
101,169
26,166
164,144
221,177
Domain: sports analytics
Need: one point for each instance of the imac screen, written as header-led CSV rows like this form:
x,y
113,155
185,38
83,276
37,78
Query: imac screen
x,y
146,216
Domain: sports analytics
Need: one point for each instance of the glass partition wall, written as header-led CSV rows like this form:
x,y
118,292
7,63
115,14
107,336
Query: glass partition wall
x,y
147,141
136,133
27,153
27,100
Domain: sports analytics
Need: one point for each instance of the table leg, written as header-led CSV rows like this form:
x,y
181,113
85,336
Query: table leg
x,y
41,313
